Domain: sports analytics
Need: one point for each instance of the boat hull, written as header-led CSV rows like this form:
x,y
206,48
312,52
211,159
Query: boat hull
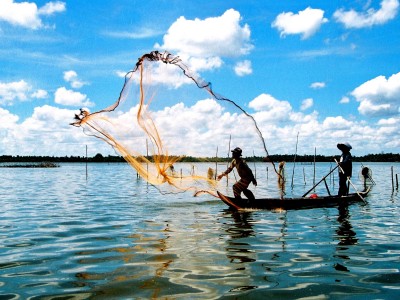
x,y
292,203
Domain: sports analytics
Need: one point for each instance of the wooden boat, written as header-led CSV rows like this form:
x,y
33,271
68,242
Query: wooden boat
x,y
293,203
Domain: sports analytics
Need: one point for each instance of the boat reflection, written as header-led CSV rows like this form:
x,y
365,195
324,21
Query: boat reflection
x,y
345,233
239,251
346,237
243,249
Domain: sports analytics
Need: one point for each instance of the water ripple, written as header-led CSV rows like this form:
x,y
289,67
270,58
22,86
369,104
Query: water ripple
x,y
114,236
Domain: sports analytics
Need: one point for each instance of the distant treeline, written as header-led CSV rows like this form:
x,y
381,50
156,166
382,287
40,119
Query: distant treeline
x,y
383,157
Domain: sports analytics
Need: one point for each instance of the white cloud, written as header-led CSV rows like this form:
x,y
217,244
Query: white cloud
x,y
344,100
336,123
305,22
72,98
120,73
198,64
353,19
72,78
215,36
171,77
198,129
19,91
388,122
51,8
306,103
379,96
317,85
45,132
270,109
9,92
39,94
142,33
210,39
243,68
8,120
27,14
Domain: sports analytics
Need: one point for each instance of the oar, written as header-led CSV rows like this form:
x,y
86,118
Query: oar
x,y
323,178
348,178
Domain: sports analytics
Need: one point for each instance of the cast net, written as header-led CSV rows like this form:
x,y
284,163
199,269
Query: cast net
x,y
164,114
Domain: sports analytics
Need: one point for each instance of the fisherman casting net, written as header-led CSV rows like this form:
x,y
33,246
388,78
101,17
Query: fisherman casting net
x,y
165,113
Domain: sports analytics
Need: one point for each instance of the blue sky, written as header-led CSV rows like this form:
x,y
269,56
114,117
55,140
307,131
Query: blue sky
x,y
326,70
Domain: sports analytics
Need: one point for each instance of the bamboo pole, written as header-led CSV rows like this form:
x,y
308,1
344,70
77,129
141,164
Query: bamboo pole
x,y
323,178
294,160
86,164
216,164
392,178
315,154
255,168
348,179
229,152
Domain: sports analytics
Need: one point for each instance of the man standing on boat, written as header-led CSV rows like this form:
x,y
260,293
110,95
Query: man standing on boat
x,y
345,169
245,173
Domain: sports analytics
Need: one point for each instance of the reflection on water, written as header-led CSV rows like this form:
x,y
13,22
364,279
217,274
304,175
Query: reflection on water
x,y
62,237
345,234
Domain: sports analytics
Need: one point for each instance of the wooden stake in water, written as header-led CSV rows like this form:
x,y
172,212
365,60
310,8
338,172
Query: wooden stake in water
x,y
255,168
294,160
392,179
229,154
86,164
315,154
216,164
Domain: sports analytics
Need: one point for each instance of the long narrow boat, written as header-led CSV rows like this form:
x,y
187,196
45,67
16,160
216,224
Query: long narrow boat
x,y
292,203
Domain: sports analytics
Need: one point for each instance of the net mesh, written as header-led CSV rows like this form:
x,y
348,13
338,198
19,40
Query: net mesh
x,y
163,110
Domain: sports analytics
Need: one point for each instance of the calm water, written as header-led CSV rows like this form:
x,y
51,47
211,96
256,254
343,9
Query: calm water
x,y
112,236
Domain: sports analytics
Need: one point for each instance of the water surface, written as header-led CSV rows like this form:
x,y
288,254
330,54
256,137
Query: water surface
x,y
112,236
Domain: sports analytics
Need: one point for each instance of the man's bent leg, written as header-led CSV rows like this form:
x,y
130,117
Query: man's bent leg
x,y
237,190
249,194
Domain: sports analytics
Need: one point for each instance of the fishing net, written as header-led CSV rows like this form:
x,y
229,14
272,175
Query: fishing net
x,y
164,114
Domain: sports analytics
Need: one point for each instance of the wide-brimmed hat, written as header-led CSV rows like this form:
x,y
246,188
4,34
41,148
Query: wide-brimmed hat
x,y
237,150
344,146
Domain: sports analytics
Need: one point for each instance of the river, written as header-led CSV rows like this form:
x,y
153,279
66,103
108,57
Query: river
x,y
110,235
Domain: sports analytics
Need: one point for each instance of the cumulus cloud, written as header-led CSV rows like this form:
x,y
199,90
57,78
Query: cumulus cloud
x,y
18,91
45,132
336,123
208,39
388,122
317,85
306,103
39,94
72,78
270,109
379,96
214,36
305,22
52,7
8,120
344,100
11,91
27,14
243,68
64,96
353,19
